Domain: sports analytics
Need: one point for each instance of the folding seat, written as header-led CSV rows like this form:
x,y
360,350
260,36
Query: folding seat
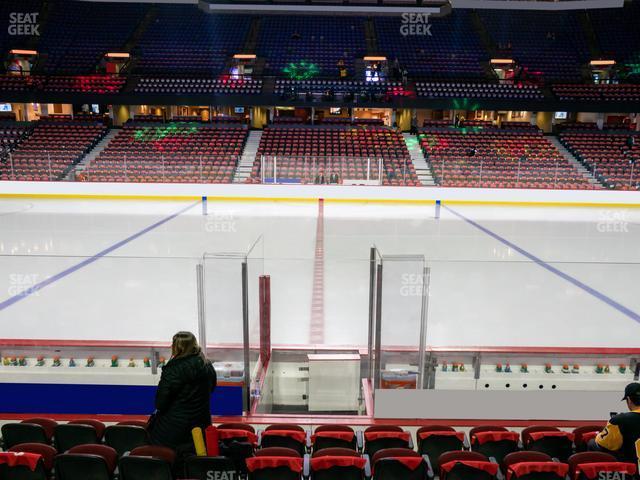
x,y
398,463
342,463
435,440
466,466
385,436
96,424
285,435
595,465
549,440
198,468
533,466
147,463
33,431
333,436
43,467
69,435
124,438
86,462
275,463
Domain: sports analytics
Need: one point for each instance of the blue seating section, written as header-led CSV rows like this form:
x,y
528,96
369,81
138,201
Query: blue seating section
x,y
184,39
78,34
452,51
7,39
320,40
551,44
618,33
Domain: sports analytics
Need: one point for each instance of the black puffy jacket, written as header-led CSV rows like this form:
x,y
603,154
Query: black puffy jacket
x,y
183,400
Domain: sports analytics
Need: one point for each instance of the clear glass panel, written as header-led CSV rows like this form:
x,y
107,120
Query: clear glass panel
x,y
223,314
402,328
101,298
256,306
326,170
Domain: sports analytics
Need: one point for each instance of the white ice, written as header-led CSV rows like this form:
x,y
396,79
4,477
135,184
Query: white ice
x,y
482,292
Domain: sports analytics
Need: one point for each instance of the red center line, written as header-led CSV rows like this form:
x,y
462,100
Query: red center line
x,y
316,328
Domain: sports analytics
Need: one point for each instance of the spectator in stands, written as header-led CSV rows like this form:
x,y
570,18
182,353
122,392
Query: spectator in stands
x,y
14,67
396,68
631,141
456,121
621,436
183,397
342,68
333,178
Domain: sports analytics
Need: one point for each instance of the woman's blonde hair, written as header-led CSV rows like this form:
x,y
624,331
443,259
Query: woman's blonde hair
x,y
185,343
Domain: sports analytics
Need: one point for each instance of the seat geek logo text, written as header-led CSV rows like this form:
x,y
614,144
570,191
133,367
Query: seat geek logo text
x,y
415,24
23,24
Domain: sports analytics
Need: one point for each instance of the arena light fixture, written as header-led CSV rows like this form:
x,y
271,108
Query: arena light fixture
x,y
501,61
17,51
117,55
375,59
244,56
602,63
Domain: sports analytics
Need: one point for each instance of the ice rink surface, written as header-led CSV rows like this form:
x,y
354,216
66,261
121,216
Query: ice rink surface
x,y
500,276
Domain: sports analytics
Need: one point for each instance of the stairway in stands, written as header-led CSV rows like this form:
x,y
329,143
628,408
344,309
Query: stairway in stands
x,y
573,160
91,155
243,171
423,169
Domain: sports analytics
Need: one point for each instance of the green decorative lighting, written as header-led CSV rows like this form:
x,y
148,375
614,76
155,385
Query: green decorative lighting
x,y
465,104
301,70
154,134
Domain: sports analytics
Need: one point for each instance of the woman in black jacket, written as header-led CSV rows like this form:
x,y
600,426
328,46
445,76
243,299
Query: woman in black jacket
x,y
183,398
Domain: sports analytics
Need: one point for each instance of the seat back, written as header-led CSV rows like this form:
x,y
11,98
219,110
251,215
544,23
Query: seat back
x,y
47,452
199,468
391,464
48,424
491,443
332,463
556,447
285,426
439,440
144,468
323,440
107,453
96,424
275,464
519,457
71,466
288,439
588,457
17,433
68,436
579,435
124,438
371,447
461,471
236,426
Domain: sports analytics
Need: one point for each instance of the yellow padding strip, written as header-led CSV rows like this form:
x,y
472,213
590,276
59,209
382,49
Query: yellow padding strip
x,y
389,201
